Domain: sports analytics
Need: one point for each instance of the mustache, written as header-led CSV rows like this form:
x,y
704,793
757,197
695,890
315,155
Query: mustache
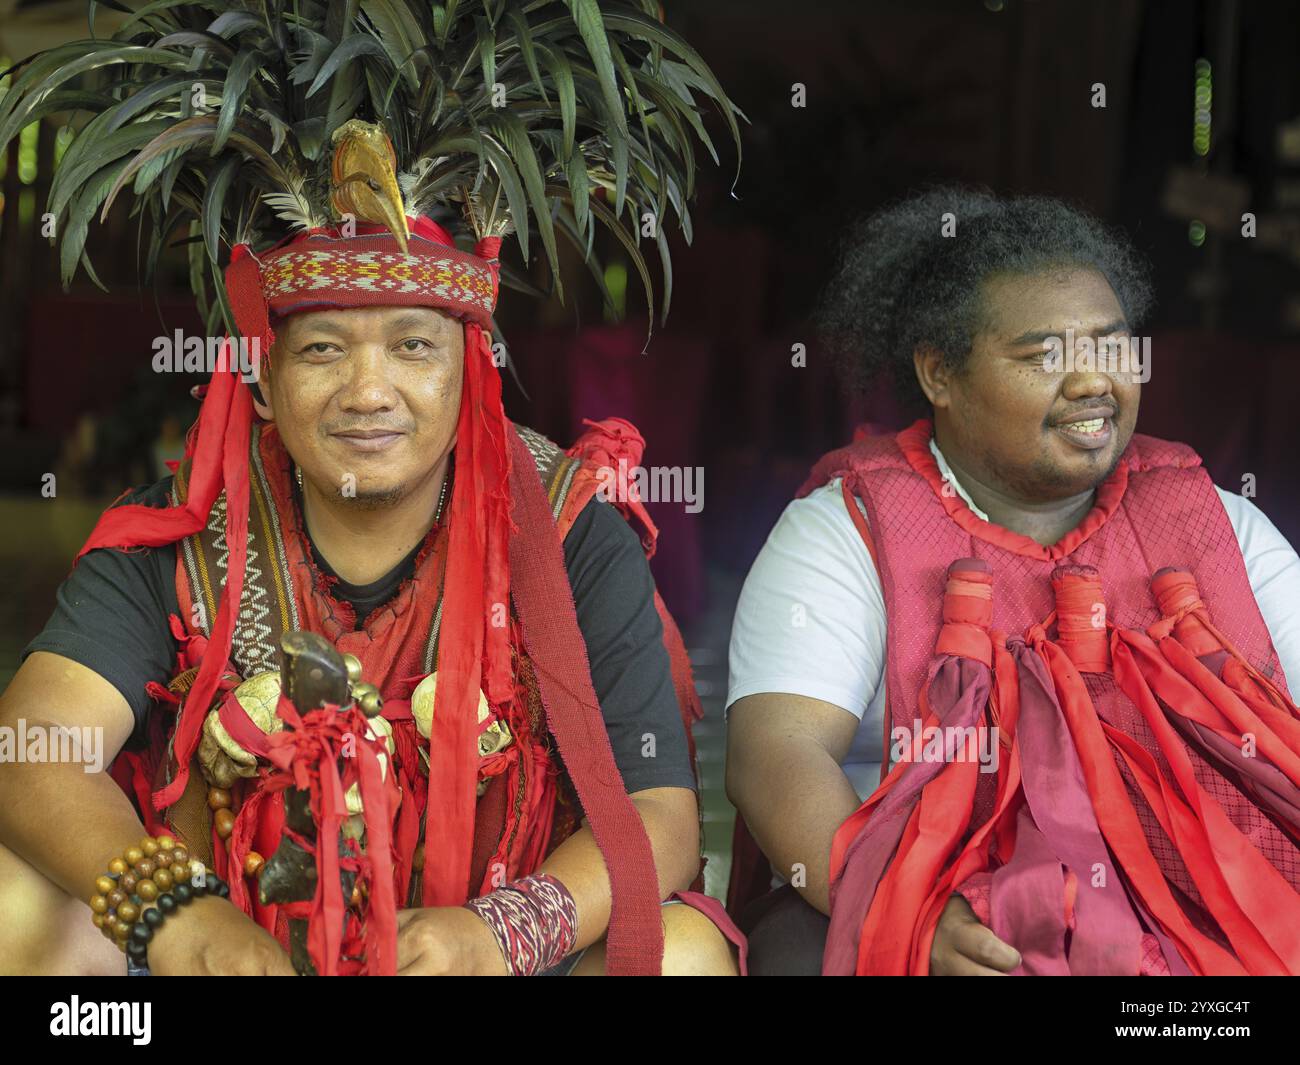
x,y
1111,408
335,428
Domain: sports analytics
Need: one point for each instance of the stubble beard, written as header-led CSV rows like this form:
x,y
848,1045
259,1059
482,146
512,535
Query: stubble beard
x,y
376,499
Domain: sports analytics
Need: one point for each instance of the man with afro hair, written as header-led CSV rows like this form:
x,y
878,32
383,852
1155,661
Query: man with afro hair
x,y
1110,636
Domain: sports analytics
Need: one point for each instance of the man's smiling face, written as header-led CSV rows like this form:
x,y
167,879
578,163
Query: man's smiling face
x,y
368,393
1011,418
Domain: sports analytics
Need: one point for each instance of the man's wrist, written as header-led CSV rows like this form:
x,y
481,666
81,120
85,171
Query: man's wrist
x,y
182,931
485,956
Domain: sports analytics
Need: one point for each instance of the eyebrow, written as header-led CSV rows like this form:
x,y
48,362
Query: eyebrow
x,y
324,324
1117,326
410,320
413,320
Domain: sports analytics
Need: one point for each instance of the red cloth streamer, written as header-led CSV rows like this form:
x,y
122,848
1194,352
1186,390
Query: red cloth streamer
x,y
474,645
887,855
220,455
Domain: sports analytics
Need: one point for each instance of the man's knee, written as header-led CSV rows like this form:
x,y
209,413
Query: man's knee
x,y
694,946
46,932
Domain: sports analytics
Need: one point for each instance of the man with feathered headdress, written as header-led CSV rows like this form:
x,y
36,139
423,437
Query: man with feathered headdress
x,y
370,489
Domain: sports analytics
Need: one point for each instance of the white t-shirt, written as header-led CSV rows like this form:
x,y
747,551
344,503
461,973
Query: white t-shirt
x,y
811,616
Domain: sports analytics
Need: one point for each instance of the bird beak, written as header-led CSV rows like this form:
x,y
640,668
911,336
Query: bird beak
x,y
390,205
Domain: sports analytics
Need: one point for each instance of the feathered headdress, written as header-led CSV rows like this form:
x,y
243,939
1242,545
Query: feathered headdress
x,y
233,123
313,139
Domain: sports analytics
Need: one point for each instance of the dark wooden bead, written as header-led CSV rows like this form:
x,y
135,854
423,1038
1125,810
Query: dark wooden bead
x,y
183,892
167,903
153,917
145,867
115,899
142,933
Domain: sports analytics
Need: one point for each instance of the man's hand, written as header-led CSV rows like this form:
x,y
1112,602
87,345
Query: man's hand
x,y
211,937
446,941
964,947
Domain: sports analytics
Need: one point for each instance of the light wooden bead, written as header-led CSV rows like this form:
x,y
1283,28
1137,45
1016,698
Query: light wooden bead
x,y
253,863
166,842
105,884
98,920
118,866
179,871
225,823
218,799
98,904
149,846
133,855
149,889
128,912
163,879
181,855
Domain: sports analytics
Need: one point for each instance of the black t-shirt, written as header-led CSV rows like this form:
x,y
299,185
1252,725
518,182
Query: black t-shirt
x,y
112,612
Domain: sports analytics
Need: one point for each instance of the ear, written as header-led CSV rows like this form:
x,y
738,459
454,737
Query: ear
x,y
262,393
933,374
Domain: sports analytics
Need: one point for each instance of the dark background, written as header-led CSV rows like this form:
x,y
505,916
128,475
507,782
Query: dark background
x,y
994,93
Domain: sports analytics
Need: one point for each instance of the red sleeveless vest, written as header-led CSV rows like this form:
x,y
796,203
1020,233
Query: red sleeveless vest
x,y
1158,508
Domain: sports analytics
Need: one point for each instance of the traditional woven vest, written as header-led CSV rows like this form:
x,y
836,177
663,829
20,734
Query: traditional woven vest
x,y
397,646
1159,508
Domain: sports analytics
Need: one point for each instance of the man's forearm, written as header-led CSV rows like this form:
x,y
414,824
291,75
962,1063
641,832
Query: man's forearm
x,y
673,828
66,823
793,799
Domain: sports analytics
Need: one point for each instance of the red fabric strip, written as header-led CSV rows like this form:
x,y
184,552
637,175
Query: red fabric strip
x,y
544,600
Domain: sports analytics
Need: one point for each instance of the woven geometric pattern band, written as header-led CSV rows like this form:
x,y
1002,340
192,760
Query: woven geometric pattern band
x,y
377,273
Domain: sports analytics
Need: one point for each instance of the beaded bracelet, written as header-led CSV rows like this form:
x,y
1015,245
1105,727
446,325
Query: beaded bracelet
x,y
142,886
